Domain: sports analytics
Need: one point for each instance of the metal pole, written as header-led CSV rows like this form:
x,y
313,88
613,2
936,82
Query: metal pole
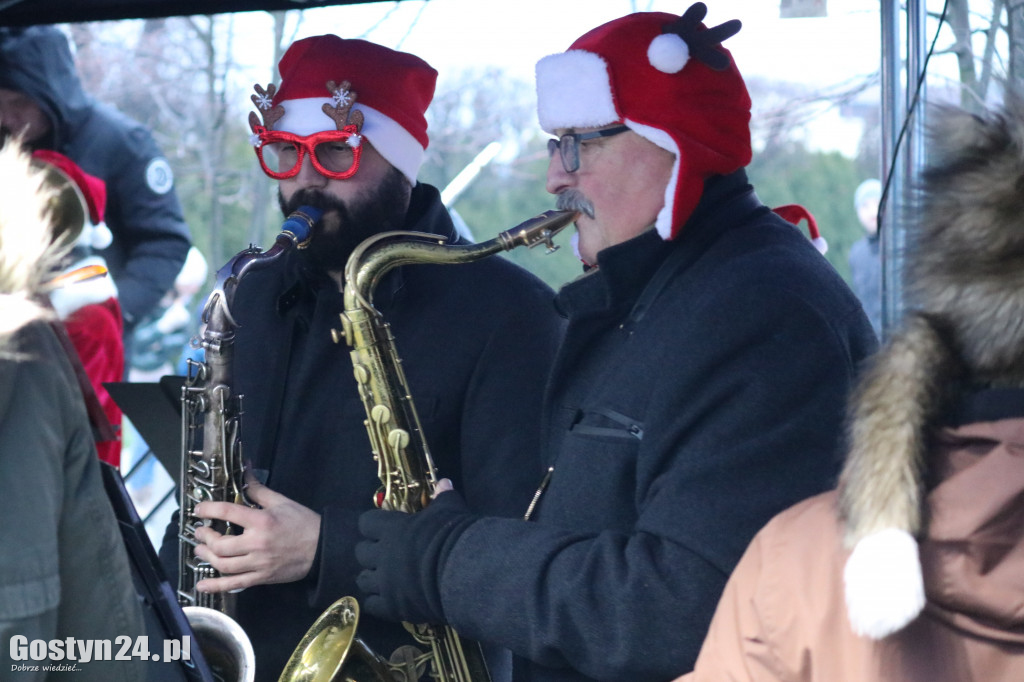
x,y
893,113
906,170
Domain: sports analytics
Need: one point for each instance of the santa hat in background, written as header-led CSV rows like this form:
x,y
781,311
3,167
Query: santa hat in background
x,y
669,80
392,90
794,213
91,192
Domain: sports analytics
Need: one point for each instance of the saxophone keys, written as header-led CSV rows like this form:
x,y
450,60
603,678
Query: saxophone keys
x,y
398,439
362,375
380,414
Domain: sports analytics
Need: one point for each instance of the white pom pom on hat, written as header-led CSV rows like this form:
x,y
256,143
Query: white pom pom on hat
x,y
668,53
884,587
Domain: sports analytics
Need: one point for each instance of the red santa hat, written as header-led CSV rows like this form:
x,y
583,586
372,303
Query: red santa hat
x,y
92,192
669,80
794,213
392,90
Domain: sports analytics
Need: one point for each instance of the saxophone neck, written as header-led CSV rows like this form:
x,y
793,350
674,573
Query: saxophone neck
x,y
379,254
295,233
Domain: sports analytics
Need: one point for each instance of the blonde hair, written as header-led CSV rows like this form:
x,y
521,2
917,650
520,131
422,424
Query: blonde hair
x,y
27,255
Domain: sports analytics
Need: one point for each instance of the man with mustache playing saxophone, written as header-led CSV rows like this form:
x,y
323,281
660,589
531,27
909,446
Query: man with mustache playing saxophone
x,y
698,390
345,132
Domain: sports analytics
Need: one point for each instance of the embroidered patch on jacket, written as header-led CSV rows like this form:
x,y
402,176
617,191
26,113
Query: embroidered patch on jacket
x,y
159,176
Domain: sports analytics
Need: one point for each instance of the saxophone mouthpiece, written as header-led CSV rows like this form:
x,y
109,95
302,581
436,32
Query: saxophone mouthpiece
x,y
299,225
539,229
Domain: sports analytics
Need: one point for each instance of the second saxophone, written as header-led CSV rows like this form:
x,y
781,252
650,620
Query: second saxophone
x,y
405,466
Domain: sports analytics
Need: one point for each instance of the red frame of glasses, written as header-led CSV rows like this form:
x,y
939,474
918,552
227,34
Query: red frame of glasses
x,y
306,144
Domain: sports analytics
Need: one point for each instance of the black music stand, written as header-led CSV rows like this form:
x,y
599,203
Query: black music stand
x,y
154,409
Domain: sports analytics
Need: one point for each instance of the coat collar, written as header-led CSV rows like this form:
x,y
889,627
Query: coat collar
x,y
627,271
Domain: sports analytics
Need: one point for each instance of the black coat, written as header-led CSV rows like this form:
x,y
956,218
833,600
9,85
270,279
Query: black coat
x,y
699,391
151,239
476,340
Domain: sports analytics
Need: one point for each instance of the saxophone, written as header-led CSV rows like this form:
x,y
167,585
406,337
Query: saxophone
x,y
211,464
404,463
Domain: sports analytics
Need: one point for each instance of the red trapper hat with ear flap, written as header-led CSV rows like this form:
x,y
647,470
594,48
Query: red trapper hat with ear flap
x,y
668,79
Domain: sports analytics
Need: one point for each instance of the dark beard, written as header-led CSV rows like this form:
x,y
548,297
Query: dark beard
x,y
346,225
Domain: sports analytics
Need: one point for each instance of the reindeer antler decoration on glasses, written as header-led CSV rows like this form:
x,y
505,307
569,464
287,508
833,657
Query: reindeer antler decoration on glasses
x,y
334,153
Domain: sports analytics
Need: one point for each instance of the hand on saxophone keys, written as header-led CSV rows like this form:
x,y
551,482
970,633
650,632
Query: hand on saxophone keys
x,y
278,545
443,486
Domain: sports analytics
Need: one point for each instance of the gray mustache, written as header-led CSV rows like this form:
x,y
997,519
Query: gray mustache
x,y
573,200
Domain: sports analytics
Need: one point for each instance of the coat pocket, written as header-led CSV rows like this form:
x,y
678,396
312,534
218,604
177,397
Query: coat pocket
x,y
607,423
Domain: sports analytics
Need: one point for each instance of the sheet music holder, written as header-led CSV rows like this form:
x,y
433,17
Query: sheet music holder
x,y
163,615
154,409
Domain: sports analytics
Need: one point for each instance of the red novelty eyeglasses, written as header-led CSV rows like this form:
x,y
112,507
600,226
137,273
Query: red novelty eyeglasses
x,y
281,154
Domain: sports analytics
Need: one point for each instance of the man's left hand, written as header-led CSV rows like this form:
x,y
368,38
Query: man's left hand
x,y
278,545
403,556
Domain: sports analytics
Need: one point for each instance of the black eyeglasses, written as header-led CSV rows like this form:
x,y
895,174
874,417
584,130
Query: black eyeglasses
x,y
568,145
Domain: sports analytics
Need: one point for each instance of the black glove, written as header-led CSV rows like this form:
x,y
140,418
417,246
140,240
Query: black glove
x,y
403,557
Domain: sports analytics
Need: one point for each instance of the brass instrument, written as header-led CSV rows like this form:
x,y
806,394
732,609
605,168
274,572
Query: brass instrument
x,y
405,467
211,463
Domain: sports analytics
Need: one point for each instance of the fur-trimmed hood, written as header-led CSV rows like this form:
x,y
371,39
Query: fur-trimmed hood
x,y
964,330
26,254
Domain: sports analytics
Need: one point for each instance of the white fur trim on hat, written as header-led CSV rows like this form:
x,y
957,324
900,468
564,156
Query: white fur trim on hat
x,y
883,583
395,143
663,223
573,91
96,236
668,53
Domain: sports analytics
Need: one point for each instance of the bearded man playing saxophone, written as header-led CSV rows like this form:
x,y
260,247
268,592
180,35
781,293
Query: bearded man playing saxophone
x,y
477,341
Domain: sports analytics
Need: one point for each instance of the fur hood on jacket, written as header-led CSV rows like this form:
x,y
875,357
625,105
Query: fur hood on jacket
x,y
26,255
964,329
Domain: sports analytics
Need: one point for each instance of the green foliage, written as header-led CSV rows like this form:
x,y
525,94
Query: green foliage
x,y
822,182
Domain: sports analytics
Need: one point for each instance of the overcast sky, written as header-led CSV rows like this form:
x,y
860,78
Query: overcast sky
x,y
455,33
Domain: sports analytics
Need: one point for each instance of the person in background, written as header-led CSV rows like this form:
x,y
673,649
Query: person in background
x,y
162,336
43,103
864,258
82,292
64,571
697,392
912,570
345,132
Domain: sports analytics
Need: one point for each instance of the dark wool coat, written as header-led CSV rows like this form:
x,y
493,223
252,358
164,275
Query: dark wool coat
x,y
151,238
699,391
476,340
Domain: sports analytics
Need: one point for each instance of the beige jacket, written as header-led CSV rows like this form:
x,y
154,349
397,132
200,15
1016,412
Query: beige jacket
x,y
783,618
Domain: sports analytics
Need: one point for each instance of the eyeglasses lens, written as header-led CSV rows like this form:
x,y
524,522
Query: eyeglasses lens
x,y
569,150
337,156
279,157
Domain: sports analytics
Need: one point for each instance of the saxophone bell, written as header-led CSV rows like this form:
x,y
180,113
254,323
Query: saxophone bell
x,y
225,646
